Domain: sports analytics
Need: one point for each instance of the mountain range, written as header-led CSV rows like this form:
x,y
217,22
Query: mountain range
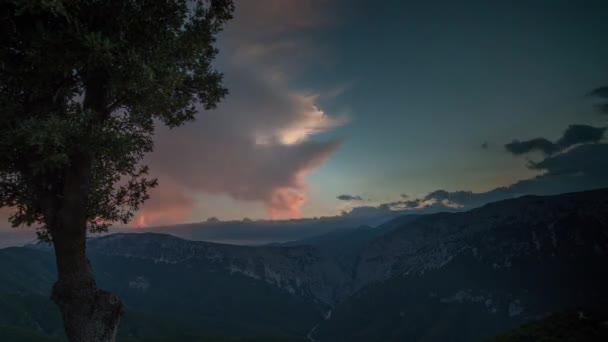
x,y
464,276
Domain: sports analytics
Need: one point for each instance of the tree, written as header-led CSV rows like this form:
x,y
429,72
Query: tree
x,y
82,86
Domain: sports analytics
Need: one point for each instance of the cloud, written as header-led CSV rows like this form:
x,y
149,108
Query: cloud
x,y
586,161
543,145
573,135
275,17
581,168
5,214
601,92
257,145
580,134
404,204
168,204
443,195
276,34
349,198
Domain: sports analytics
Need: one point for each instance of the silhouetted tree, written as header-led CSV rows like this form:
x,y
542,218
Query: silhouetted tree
x,y
82,85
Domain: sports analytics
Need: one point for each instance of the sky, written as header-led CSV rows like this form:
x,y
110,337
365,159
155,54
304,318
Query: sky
x,y
336,104
343,104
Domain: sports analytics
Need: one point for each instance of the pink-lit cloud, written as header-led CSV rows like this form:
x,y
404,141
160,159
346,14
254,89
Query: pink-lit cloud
x,y
169,203
257,145
5,213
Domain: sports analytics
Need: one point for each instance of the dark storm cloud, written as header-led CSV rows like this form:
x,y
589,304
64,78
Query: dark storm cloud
x,y
349,198
580,134
573,135
533,145
600,92
586,161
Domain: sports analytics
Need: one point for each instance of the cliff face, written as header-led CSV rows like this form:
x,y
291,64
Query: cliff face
x,y
543,228
469,276
300,270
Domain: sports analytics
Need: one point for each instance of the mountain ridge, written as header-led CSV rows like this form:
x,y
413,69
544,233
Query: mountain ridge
x,y
423,278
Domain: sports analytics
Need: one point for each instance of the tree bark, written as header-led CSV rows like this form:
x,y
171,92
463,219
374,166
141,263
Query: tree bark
x,y
89,314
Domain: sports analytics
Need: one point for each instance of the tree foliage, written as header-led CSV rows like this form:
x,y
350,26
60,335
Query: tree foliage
x,y
90,80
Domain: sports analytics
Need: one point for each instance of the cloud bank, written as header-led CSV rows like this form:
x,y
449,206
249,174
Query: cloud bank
x,y
583,168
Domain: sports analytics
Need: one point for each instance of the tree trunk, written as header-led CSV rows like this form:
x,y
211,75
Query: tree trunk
x,y
89,314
